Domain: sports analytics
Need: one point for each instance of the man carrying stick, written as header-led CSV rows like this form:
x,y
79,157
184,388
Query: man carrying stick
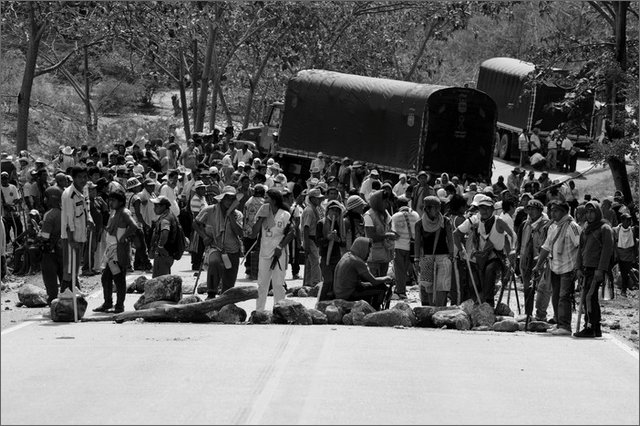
x,y
330,238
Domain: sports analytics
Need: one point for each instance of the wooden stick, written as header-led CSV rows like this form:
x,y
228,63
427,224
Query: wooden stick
x,y
330,248
473,280
456,275
74,277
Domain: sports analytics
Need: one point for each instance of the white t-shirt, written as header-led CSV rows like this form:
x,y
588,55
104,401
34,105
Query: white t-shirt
x,y
272,236
170,193
403,223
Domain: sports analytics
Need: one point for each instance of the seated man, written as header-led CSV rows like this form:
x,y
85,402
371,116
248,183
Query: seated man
x,y
538,161
353,280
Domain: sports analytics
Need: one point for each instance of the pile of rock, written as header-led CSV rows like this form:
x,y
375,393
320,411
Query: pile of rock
x,y
162,290
304,291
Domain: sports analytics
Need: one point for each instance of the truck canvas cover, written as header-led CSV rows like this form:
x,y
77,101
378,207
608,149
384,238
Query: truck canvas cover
x,y
397,124
504,80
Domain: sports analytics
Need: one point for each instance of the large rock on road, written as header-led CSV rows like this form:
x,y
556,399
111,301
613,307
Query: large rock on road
x,y
32,296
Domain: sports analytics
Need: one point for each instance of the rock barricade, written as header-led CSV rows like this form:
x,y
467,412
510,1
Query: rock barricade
x,y
288,311
32,296
452,318
62,308
231,314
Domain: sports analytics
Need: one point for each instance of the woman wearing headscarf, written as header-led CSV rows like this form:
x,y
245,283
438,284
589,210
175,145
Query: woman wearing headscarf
x,y
353,219
434,253
330,234
273,221
377,226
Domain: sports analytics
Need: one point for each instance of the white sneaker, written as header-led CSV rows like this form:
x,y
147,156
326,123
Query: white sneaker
x,y
561,332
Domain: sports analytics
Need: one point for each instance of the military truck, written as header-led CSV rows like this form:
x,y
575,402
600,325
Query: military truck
x,y
522,106
395,126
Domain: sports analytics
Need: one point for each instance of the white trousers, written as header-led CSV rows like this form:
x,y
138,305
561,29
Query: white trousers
x,y
267,275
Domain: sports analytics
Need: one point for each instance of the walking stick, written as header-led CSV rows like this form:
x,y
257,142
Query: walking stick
x,y
456,275
330,247
195,286
581,284
532,293
434,279
74,277
515,289
248,251
90,254
473,280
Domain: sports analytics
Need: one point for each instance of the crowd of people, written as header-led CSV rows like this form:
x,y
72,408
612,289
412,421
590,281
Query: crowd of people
x,y
114,211
555,152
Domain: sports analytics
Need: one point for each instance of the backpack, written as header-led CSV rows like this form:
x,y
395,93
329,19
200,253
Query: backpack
x,y
177,242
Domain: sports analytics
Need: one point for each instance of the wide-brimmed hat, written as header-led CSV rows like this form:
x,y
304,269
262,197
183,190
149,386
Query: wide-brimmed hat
x,y
67,150
132,183
227,190
535,204
199,184
315,193
161,200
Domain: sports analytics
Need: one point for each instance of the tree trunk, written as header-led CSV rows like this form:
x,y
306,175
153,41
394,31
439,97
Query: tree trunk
x,y
253,83
183,99
204,85
193,312
225,107
91,130
214,107
617,113
194,82
24,97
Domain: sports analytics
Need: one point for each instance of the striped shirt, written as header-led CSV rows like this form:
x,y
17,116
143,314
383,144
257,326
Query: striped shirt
x,y
197,204
564,253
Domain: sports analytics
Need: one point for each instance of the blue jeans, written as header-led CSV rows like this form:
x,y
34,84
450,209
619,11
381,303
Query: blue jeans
x,y
562,287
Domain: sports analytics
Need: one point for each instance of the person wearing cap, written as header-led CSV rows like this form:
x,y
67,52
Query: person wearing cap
x,y
401,187
330,239
488,245
561,248
514,181
49,238
66,158
308,226
273,222
243,155
139,241
403,224
433,252
164,227
11,203
319,163
594,260
377,227
98,208
531,236
250,210
366,188
523,145
211,179
197,203
119,230
626,249
422,190
76,221
220,226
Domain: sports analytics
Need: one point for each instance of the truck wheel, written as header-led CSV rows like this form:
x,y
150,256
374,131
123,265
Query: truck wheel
x,y
504,146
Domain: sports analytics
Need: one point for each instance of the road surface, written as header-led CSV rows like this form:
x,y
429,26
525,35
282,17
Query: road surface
x,y
145,373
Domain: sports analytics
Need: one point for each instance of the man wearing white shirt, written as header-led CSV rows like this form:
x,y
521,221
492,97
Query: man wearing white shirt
x,y
169,191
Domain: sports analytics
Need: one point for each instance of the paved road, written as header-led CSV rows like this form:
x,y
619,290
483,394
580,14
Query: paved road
x,y
95,373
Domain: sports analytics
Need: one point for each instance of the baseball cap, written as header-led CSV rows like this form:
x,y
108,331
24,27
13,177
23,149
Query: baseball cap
x,y
227,190
132,183
374,172
199,184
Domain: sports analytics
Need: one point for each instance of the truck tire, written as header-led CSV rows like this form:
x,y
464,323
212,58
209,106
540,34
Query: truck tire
x,y
504,146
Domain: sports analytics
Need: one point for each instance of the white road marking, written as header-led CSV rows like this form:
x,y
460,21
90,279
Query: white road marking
x,y
262,401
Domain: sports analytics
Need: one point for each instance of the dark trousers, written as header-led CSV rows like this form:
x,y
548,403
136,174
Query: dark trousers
x,y
52,267
562,293
326,293
401,263
196,257
625,274
9,224
108,279
486,281
378,269
217,273
463,281
590,302
372,295
141,257
162,266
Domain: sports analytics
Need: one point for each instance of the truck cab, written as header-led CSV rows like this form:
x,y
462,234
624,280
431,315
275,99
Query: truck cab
x,y
263,135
